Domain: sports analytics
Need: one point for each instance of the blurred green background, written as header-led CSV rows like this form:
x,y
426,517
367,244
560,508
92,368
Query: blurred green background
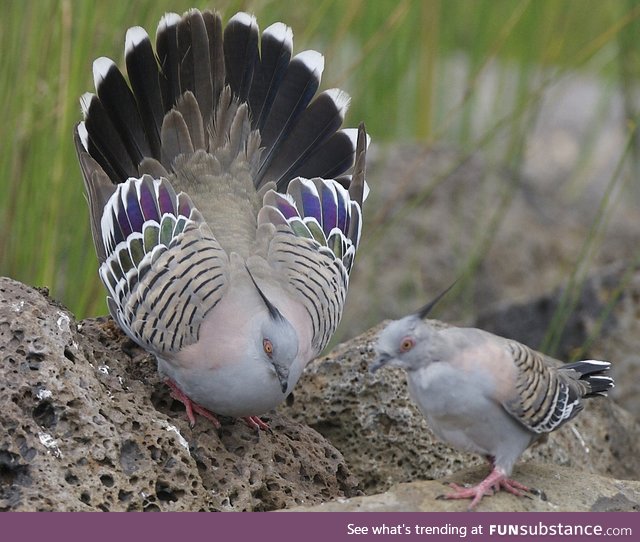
x,y
390,55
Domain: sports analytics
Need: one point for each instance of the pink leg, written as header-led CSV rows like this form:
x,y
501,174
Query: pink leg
x,y
492,483
510,485
254,422
191,407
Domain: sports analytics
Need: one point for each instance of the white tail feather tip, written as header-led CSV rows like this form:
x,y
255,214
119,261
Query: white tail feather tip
x,y
135,36
365,191
313,60
597,362
167,20
101,67
83,135
244,18
341,99
85,102
280,32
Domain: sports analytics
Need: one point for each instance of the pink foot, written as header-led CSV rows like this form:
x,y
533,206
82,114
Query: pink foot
x,y
515,488
494,482
254,422
191,407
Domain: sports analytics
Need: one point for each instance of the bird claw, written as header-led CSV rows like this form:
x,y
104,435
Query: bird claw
x,y
513,487
488,487
205,414
475,493
254,422
539,493
190,406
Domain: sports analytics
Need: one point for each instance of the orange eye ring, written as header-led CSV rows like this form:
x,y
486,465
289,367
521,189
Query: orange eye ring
x,y
267,345
407,344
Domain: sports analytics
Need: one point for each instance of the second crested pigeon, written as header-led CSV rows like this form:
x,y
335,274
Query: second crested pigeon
x,y
222,214
486,394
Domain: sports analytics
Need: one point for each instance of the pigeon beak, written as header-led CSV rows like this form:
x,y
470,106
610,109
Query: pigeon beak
x,y
283,376
379,362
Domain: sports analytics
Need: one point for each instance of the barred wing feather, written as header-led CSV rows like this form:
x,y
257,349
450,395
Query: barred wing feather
x,y
546,396
317,235
164,270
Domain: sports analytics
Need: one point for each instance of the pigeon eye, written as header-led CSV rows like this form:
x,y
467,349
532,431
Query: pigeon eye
x,y
407,344
267,346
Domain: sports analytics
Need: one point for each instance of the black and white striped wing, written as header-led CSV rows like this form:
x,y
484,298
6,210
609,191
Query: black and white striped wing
x,y
543,399
318,228
164,270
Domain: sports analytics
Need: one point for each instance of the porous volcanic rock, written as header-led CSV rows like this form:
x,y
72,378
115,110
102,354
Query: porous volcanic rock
x,y
87,425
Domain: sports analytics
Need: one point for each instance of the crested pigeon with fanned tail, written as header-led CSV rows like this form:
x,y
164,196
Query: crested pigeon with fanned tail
x,y
486,394
225,204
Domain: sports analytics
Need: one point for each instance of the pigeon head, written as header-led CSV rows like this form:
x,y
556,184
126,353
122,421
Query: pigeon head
x,y
276,341
409,343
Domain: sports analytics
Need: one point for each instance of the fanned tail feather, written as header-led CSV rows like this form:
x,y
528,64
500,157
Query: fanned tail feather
x,y
167,50
144,77
316,124
129,125
333,157
276,47
298,86
594,374
241,53
237,94
195,63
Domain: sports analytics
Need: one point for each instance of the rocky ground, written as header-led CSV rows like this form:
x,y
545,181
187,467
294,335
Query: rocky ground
x,y
564,489
87,425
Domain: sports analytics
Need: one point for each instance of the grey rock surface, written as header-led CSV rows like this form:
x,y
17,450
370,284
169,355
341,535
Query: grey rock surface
x,y
562,490
385,440
87,425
